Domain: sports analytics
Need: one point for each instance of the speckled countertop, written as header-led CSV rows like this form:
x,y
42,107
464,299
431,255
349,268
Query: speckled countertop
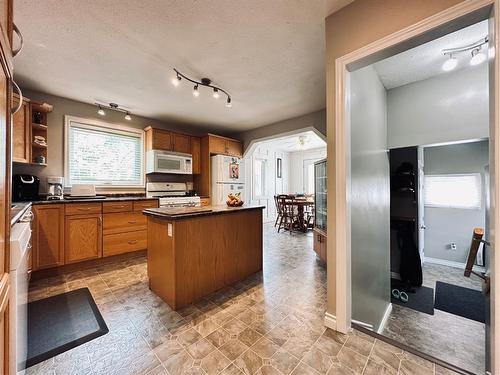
x,y
175,213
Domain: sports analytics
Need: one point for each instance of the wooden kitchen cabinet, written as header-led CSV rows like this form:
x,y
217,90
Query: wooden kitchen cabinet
x,y
83,240
204,201
158,139
224,146
196,154
319,244
181,143
48,236
21,132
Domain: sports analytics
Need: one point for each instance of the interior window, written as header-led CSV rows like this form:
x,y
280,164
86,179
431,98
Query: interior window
x,y
102,155
453,191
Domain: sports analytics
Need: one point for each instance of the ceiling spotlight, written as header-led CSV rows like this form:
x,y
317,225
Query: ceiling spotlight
x,y
128,117
101,111
195,91
176,81
206,82
477,57
450,64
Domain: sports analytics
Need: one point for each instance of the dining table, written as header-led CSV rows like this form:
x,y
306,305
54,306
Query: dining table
x,y
301,202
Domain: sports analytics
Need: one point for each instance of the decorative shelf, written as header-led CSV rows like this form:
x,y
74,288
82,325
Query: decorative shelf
x,y
35,125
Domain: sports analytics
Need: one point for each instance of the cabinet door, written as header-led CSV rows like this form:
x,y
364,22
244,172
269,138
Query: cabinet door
x,y
21,133
48,236
322,254
196,154
317,243
181,143
217,145
234,148
162,140
83,238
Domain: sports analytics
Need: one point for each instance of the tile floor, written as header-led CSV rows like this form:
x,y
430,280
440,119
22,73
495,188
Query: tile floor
x,y
271,323
456,340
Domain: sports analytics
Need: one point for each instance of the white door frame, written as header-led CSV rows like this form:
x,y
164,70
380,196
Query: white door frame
x,y
340,244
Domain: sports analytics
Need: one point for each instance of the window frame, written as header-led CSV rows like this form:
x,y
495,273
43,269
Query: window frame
x,y
478,175
97,125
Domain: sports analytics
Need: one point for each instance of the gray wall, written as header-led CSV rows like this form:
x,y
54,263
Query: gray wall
x,y
63,106
370,199
449,107
315,119
446,225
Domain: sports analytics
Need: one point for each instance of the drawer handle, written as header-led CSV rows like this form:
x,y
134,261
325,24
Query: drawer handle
x,y
122,206
133,222
83,209
132,242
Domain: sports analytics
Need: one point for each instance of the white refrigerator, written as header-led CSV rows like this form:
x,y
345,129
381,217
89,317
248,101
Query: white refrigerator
x,y
228,176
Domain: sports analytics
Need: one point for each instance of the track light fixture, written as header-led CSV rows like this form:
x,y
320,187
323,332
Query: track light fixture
x,y
203,82
477,56
112,107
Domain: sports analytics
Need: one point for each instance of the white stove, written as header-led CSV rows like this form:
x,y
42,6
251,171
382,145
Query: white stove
x,y
172,194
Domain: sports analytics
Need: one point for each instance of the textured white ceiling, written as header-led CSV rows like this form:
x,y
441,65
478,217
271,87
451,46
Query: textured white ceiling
x,y
268,54
425,61
291,143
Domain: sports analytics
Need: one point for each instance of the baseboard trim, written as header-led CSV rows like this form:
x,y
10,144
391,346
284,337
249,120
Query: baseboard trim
x,y
363,324
385,318
451,263
330,321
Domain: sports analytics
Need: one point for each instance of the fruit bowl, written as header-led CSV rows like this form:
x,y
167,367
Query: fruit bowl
x,y
234,203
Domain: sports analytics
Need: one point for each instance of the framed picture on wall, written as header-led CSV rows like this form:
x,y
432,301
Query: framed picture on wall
x,y
278,167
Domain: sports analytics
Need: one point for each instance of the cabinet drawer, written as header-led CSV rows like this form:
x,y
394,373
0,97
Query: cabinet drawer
x,y
83,208
108,207
124,242
205,202
142,205
124,222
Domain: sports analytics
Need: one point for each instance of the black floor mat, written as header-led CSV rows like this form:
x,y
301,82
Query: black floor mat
x,y
422,300
465,302
59,323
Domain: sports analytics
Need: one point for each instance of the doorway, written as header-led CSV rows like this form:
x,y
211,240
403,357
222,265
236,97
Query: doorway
x,y
401,104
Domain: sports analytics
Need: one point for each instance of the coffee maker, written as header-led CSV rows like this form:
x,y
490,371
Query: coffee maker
x,y
55,187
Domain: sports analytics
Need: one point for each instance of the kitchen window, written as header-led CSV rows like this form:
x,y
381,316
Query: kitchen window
x,y
103,154
453,191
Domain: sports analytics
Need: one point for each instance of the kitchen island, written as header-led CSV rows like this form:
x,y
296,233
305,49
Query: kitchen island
x,y
194,251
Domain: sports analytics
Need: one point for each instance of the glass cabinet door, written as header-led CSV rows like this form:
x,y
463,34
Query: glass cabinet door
x,y
320,194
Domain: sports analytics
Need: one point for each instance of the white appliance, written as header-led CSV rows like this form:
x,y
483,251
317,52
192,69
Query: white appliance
x,y
172,194
83,190
20,248
55,188
168,162
228,176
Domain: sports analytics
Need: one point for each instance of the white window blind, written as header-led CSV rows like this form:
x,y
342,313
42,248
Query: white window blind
x,y
103,155
453,190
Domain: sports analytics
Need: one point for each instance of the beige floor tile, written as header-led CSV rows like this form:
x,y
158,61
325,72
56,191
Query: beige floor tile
x,y
215,362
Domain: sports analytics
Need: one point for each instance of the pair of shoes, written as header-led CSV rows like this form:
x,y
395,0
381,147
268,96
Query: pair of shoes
x,y
400,295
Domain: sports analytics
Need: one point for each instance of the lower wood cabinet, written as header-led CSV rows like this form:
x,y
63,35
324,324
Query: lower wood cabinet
x,y
76,232
125,242
319,244
83,238
48,236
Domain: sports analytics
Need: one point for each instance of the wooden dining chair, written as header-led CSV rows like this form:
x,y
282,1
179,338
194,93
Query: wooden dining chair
x,y
279,213
288,212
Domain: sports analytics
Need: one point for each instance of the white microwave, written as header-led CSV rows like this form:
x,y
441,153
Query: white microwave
x,y
168,162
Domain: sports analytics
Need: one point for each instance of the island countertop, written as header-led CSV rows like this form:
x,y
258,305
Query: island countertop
x,y
177,213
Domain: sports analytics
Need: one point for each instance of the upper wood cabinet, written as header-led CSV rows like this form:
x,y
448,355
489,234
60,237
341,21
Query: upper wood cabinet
x,y
196,154
83,238
181,143
21,132
158,139
224,146
48,236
